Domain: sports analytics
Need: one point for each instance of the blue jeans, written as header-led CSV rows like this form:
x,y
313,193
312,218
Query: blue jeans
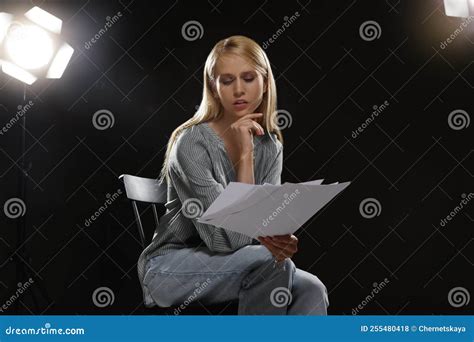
x,y
248,274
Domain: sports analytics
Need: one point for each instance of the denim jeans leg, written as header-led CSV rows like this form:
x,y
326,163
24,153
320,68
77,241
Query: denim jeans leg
x,y
267,289
192,274
248,274
310,296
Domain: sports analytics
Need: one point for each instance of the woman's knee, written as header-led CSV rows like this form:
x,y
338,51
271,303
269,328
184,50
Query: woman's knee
x,y
311,287
155,290
166,289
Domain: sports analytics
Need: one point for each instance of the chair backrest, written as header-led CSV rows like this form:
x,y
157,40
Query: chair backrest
x,y
146,190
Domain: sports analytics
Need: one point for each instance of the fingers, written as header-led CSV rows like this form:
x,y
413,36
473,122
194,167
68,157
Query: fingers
x,y
270,247
285,238
287,246
277,253
281,239
258,129
252,126
287,243
280,252
252,116
249,122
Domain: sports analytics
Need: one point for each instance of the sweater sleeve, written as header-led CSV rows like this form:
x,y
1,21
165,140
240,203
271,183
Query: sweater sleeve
x,y
273,172
196,187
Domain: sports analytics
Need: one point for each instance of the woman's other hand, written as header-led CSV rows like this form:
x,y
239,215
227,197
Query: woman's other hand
x,y
281,246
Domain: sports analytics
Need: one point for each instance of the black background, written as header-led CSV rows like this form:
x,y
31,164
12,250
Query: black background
x,y
328,78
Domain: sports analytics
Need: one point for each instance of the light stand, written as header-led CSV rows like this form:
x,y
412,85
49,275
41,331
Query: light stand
x,y
30,48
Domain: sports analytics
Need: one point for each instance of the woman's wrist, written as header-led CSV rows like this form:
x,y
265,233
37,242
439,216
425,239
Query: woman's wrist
x,y
245,172
246,158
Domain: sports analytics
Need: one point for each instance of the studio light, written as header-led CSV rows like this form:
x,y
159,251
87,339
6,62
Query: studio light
x,y
30,46
459,8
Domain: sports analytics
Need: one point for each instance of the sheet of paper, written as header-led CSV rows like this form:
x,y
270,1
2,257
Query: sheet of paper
x,y
231,194
238,196
314,182
231,203
288,207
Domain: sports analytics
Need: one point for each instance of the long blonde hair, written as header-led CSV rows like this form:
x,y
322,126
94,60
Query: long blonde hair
x,y
211,108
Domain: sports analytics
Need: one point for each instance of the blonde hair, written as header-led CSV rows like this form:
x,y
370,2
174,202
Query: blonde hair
x,y
211,108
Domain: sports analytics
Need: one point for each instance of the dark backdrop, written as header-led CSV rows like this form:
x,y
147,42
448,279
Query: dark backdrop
x,y
413,159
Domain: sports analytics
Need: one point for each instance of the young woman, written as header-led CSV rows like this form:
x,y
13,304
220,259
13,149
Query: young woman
x,y
233,136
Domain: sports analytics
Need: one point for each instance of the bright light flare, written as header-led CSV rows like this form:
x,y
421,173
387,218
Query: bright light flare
x,y
459,8
29,46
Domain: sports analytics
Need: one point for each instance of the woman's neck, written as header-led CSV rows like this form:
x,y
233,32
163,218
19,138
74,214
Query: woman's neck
x,y
223,123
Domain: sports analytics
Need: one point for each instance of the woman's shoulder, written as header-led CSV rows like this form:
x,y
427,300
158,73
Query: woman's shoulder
x,y
272,143
190,145
190,136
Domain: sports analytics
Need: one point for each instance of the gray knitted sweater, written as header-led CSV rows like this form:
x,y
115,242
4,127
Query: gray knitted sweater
x,y
199,170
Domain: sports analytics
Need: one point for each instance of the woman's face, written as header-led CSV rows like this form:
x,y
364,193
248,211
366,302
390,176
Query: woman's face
x,y
239,86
